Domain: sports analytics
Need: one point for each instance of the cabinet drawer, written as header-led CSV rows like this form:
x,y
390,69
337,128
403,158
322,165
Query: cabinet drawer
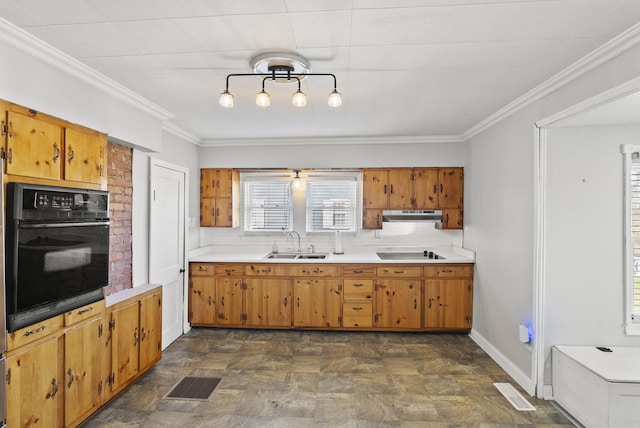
x,y
229,270
358,289
399,271
202,269
84,312
316,270
448,271
357,314
267,270
34,332
359,271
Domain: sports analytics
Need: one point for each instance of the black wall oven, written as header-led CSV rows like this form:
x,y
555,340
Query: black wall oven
x,y
57,251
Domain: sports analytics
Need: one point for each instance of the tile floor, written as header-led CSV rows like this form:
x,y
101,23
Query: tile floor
x,y
326,379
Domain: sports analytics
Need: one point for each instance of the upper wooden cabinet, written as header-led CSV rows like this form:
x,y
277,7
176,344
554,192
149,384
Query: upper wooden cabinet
x,y
219,197
412,189
84,156
43,147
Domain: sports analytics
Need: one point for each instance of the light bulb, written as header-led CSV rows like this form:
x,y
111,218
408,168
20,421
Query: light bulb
x,y
263,99
299,98
335,99
226,99
297,181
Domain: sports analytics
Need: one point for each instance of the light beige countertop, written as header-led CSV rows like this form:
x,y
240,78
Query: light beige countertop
x,y
451,254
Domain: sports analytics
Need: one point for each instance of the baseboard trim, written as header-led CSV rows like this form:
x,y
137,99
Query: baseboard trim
x,y
512,370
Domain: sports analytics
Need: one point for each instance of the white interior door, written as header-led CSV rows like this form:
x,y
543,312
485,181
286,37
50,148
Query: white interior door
x,y
167,243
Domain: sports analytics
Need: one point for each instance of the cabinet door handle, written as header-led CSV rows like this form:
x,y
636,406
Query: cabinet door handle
x,y
435,188
72,155
56,152
222,300
391,189
209,301
357,271
72,377
36,331
84,311
441,188
143,335
217,212
398,271
298,302
136,338
385,189
415,303
357,309
358,285
10,155
286,302
54,388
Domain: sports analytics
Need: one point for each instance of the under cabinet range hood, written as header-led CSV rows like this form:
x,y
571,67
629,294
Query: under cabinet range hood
x,y
430,216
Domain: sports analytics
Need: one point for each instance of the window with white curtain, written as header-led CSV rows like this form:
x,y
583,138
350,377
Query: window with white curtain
x,y
632,238
332,203
267,203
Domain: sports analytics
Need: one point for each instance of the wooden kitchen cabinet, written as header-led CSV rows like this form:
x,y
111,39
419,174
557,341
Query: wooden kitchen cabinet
x,y
202,306
373,296
83,370
35,384
136,337
398,300
409,189
267,302
34,145
398,303
85,156
451,197
357,308
42,147
448,297
317,302
219,197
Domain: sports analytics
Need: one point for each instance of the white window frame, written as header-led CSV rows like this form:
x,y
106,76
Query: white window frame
x,y
249,177
351,176
631,321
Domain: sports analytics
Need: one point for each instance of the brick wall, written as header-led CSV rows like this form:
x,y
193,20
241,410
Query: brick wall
x,y
119,183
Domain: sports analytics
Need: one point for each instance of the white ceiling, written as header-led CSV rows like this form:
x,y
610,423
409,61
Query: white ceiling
x,y
405,68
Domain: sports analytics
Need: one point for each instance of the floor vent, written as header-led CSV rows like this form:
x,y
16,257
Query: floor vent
x,y
193,388
514,397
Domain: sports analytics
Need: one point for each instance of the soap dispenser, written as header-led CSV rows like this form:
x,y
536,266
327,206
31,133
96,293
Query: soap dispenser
x,y
274,247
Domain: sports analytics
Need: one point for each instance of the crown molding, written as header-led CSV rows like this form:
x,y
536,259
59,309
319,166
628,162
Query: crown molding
x,y
27,43
181,133
596,58
308,141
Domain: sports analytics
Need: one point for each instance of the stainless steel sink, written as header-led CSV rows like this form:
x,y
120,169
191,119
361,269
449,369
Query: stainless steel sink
x,y
289,256
311,256
281,256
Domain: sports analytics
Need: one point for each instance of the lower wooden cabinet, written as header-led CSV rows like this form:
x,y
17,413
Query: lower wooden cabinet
x,y
83,370
317,302
136,333
59,371
332,296
398,303
35,382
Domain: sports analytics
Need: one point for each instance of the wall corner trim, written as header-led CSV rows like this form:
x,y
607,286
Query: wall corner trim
x,y
35,47
523,379
181,133
619,44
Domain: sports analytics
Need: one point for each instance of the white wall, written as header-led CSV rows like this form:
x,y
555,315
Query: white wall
x,y
29,78
499,215
335,156
178,152
584,282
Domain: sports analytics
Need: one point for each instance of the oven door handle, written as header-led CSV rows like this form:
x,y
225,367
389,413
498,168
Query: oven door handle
x,y
52,225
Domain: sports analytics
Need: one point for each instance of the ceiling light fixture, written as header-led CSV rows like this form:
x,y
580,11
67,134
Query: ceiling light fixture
x,y
297,181
280,68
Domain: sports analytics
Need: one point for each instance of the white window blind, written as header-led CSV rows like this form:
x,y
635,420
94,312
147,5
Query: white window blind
x,y
267,205
331,204
635,235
